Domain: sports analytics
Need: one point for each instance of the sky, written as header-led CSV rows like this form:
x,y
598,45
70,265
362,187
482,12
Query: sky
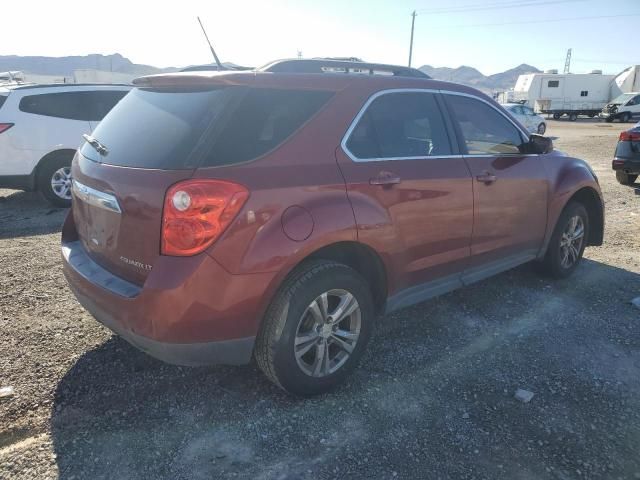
x,y
447,33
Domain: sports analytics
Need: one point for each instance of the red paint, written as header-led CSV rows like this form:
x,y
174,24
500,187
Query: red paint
x,y
305,195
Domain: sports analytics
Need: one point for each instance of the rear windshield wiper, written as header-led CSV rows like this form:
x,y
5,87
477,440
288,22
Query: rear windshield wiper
x,y
100,148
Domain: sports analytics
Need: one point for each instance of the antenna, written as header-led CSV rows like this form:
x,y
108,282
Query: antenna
x,y
215,57
567,62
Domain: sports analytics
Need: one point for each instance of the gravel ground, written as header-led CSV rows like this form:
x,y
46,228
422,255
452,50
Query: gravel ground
x,y
434,397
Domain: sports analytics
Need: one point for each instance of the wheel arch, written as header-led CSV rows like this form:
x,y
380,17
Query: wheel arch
x,y
53,155
362,258
590,199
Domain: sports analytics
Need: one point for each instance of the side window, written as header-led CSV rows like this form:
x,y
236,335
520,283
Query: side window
x,y
584,93
484,129
262,121
86,106
634,101
400,125
61,105
553,83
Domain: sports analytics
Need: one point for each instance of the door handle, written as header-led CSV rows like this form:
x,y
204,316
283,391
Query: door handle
x,y
385,178
486,177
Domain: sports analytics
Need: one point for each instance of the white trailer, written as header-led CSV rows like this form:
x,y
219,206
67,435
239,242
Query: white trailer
x,y
569,94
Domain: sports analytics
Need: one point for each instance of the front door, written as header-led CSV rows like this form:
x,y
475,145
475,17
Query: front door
x,y
510,189
411,197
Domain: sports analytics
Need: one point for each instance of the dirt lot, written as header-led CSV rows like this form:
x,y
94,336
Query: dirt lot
x,y
432,399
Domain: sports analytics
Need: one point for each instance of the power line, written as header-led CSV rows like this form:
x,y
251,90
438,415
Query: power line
x,y
548,20
493,6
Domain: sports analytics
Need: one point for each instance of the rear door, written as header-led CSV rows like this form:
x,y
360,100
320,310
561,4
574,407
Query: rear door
x,y
411,193
510,188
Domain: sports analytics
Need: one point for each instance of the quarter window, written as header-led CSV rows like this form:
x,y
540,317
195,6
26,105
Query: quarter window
x,y
86,106
400,125
484,130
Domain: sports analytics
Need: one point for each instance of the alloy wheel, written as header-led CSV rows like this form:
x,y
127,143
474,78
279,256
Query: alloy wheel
x,y
61,183
327,333
571,242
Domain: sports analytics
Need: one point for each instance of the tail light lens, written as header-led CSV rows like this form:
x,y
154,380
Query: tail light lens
x,y
5,126
196,212
630,136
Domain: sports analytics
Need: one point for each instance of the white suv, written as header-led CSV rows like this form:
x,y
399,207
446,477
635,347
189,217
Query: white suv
x,y
41,127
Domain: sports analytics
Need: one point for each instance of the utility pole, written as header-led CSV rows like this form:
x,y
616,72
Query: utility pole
x,y
413,23
567,62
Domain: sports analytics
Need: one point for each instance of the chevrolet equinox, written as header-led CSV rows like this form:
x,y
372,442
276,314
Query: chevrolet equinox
x,y
274,214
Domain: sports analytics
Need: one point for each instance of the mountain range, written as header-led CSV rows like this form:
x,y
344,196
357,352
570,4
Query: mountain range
x,y
474,78
65,66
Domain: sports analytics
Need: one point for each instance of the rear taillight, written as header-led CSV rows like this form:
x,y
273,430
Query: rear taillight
x,y
630,136
5,126
196,212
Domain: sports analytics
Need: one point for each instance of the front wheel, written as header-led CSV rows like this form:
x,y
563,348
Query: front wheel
x,y
625,178
541,129
54,181
568,241
316,329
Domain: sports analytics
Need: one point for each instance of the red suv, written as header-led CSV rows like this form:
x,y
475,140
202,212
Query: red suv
x,y
275,213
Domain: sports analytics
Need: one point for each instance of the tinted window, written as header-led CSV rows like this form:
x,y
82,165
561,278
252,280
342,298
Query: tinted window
x,y
86,106
406,124
633,101
484,129
553,83
3,98
262,120
157,128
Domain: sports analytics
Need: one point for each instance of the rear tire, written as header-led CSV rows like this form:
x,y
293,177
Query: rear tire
x,y
625,178
541,129
296,335
567,243
54,181
573,117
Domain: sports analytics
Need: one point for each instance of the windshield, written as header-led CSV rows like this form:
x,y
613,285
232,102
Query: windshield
x,y
625,97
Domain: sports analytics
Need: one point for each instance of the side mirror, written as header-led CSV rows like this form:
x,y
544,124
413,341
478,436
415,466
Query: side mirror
x,y
539,144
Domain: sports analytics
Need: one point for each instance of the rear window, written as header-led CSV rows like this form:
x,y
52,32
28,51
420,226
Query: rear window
x,y
175,129
84,106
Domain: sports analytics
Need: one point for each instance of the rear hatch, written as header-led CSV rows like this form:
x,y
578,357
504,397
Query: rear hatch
x,y
152,139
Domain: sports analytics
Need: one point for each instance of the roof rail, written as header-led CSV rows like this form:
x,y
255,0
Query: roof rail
x,y
325,65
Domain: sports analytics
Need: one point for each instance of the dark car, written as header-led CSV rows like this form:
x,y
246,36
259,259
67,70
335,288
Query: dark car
x,y
626,161
276,213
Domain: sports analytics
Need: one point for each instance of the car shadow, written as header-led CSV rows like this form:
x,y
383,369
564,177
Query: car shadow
x,y
118,413
24,214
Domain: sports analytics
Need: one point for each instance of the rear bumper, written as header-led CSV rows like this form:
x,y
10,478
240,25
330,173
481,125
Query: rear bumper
x,y
190,311
627,165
